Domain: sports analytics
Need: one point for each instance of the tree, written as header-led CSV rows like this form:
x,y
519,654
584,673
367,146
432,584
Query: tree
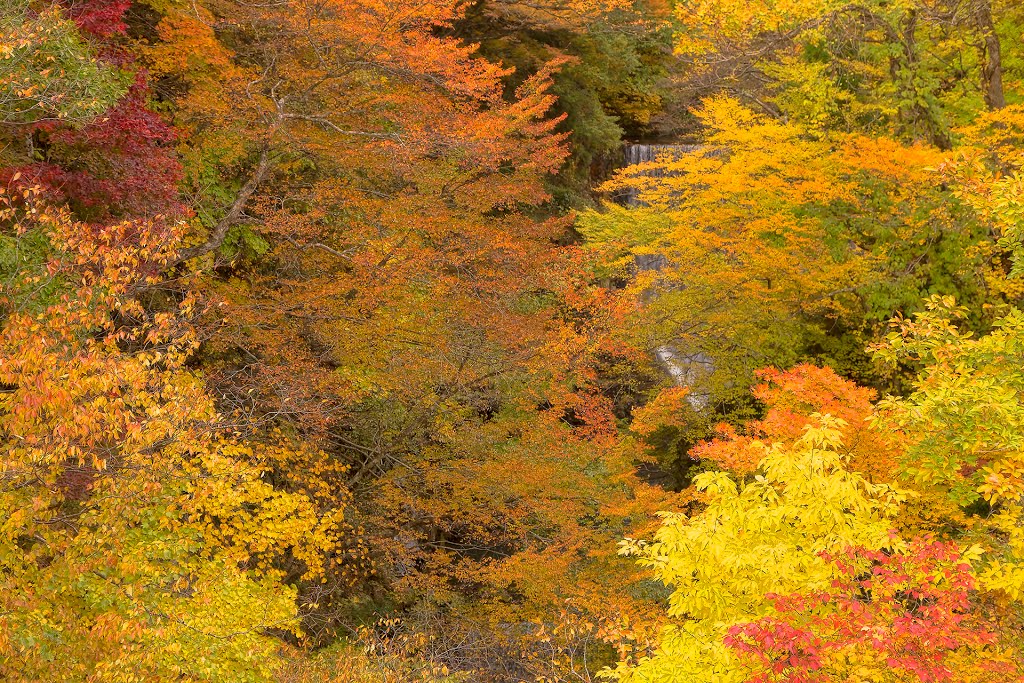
x,y
139,537
115,166
791,398
371,209
875,66
76,124
772,245
774,535
798,575
895,617
961,426
47,71
614,84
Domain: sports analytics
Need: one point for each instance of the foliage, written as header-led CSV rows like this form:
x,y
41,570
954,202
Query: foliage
x,y
770,245
613,86
395,291
47,71
909,69
908,611
308,372
955,443
790,399
899,617
138,536
773,535
135,177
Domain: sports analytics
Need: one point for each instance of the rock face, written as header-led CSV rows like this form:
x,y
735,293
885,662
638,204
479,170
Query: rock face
x,y
684,368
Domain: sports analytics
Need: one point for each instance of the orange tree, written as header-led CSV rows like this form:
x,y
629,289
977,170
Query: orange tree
x,y
370,212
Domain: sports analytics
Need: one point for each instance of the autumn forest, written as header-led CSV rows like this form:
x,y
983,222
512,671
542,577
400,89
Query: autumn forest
x,y
512,341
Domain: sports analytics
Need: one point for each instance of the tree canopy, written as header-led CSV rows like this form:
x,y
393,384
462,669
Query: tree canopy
x,y
558,341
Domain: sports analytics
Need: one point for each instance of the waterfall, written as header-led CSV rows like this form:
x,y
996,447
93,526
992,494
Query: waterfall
x,y
684,369
642,153
638,153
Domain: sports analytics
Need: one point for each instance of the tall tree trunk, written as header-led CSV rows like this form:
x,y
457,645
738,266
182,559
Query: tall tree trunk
x,y
920,119
991,56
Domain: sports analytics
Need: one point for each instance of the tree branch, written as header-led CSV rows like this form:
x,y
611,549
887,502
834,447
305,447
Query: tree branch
x,y
220,231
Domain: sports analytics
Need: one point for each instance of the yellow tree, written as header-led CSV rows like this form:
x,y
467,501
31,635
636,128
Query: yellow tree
x,y
773,535
837,607
856,66
767,235
962,426
798,575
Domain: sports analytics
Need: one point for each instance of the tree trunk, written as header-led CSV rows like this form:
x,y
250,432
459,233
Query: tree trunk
x,y
920,119
990,56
